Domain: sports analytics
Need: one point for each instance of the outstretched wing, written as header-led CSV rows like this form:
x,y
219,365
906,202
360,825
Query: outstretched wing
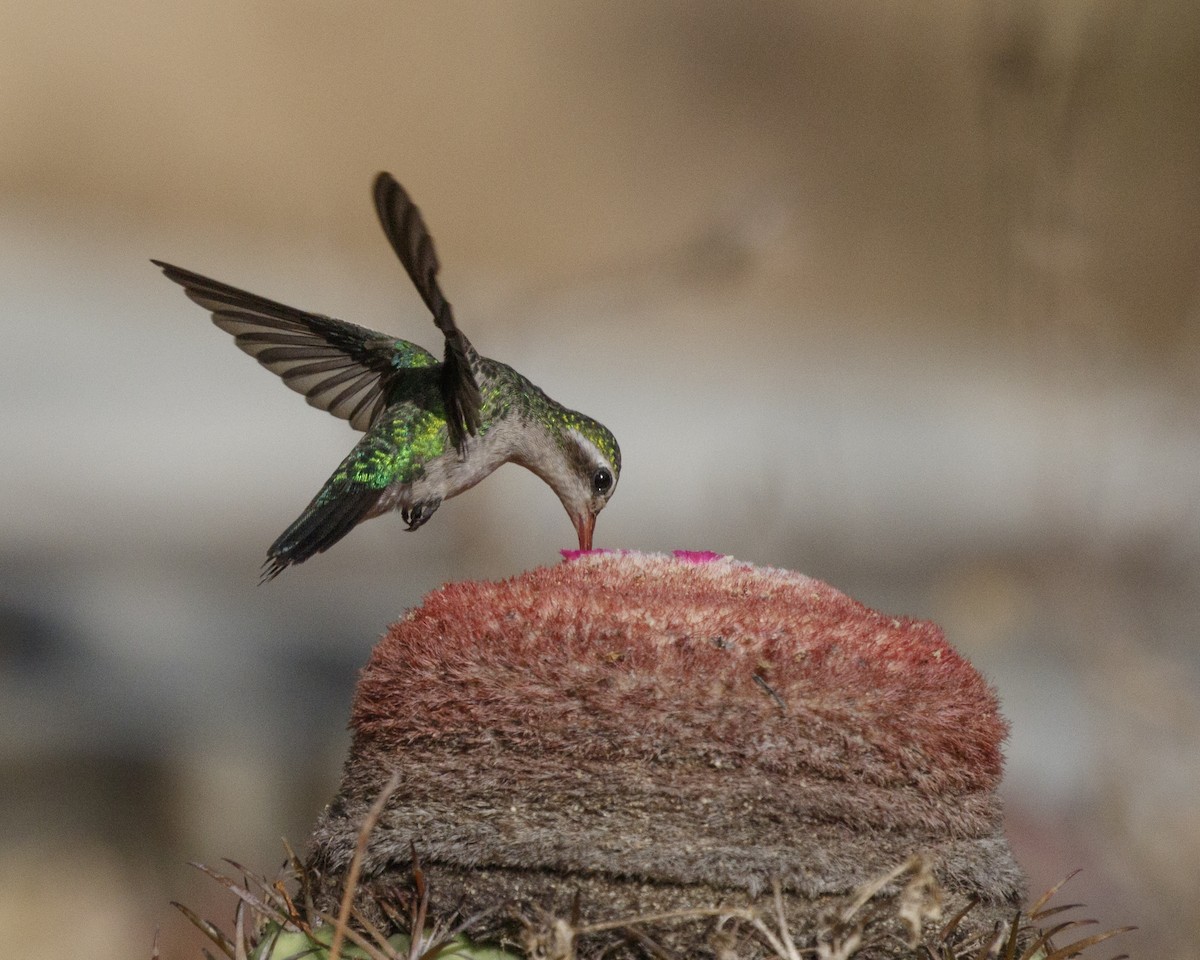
x,y
409,237
338,366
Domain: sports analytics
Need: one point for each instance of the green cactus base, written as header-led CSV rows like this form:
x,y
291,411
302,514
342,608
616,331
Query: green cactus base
x,y
279,944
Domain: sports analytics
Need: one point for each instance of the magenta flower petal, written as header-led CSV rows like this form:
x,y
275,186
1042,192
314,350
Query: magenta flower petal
x,y
570,555
696,556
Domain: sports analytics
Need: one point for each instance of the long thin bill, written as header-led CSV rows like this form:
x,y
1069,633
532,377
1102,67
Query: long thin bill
x,y
584,525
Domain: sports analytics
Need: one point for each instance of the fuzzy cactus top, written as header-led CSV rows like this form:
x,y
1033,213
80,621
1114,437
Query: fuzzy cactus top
x,y
684,659
643,733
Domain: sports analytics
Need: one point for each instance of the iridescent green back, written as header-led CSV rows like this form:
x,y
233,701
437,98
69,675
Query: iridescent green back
x,y
537,406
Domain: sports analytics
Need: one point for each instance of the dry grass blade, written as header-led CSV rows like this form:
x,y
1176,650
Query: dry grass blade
x,y
241,892
839,949
360,851
301,874
289,907
239,868
696,914
239,932
266,947
1054,911
951,925
1052,932
466,924
920,901
651,946
991,948
222,942
420,907
576,909
281,908
548,937
392,913
781,920
1076,948
1038,946
443,936
1034,909
1042,945
374,933
1010,943
271,891
765,932
356,938
868,890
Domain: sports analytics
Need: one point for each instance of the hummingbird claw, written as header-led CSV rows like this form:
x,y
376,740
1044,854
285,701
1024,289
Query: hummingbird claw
x,y
416,514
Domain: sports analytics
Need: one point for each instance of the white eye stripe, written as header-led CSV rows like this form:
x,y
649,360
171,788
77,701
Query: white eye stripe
x,y
591,453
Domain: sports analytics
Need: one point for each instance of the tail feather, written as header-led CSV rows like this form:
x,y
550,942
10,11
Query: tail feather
x,y
318,528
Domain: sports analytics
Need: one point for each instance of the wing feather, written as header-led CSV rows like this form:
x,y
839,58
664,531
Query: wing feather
x,y
338,366
406,231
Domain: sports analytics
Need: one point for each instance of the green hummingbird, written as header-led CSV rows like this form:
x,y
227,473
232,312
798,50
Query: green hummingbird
x,y
430,430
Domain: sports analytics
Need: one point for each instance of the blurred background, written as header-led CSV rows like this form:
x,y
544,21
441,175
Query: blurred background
x,y
903,296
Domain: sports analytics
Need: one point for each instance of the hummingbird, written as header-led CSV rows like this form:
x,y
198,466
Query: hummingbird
x,y
431,429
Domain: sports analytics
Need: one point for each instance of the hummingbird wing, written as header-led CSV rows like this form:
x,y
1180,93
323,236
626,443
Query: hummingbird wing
x,y
393,453
409,237
338,366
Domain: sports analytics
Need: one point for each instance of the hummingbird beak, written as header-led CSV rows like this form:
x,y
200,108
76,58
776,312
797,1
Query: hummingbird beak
x,y
585,523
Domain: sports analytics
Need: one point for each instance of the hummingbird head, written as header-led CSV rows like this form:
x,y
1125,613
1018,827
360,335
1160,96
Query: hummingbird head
x,y
583,469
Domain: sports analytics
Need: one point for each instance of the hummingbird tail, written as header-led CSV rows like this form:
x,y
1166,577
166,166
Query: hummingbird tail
x,y
460,391
318,528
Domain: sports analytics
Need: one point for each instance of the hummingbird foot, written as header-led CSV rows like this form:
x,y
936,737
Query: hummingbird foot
x,y
419,512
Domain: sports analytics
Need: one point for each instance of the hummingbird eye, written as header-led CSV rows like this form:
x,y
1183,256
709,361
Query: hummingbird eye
x,y
602,480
